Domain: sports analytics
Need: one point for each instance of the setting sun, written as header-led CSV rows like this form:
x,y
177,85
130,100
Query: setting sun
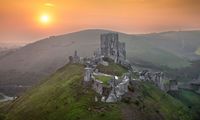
x,y
45,19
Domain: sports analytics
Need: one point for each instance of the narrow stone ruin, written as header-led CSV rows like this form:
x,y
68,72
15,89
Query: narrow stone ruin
x,y
75,58
88,74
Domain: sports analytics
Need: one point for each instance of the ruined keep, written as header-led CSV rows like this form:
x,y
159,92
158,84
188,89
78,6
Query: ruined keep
x,y
173,85
112,48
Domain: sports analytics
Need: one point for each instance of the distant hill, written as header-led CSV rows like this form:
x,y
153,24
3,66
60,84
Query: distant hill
x,y
182,43
33,62
5,52
62,97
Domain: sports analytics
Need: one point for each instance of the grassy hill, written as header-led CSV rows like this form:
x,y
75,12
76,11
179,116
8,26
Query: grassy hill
x,y
29,64
62,97
171,108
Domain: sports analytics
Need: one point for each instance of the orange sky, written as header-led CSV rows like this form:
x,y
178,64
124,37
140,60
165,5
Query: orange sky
x,y
19,18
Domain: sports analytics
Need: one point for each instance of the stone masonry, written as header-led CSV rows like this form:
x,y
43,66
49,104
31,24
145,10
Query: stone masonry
x,y
112,48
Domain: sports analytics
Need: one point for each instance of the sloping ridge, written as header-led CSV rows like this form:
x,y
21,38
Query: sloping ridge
x,y
62,97
30,64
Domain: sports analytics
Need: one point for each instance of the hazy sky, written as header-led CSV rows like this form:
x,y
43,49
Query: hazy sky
x,y
20,19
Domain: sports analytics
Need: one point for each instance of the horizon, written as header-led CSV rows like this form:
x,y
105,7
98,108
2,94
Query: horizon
x,y
30,21
11,44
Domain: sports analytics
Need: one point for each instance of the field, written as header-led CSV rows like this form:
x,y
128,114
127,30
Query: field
x,y
104,79
112,69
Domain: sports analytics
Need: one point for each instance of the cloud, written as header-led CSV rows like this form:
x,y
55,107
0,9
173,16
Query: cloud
x,y
49,5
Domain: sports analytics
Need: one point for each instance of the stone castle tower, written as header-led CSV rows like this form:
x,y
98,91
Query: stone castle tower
x,y
112,48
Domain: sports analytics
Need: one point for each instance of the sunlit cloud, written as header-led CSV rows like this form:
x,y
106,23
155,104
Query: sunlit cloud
x,y
49,5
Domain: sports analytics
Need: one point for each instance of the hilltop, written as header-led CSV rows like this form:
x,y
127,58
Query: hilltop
x,y
62,97
30,64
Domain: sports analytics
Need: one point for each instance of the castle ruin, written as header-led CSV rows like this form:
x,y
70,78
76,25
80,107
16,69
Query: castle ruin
x,y
112,48
117,86
75,58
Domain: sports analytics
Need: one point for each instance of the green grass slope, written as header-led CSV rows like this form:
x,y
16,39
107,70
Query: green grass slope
x,y
171,108
62,97
192,100
104,79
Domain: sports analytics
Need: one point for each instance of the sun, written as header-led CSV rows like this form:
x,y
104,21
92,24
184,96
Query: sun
x,y
45,19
